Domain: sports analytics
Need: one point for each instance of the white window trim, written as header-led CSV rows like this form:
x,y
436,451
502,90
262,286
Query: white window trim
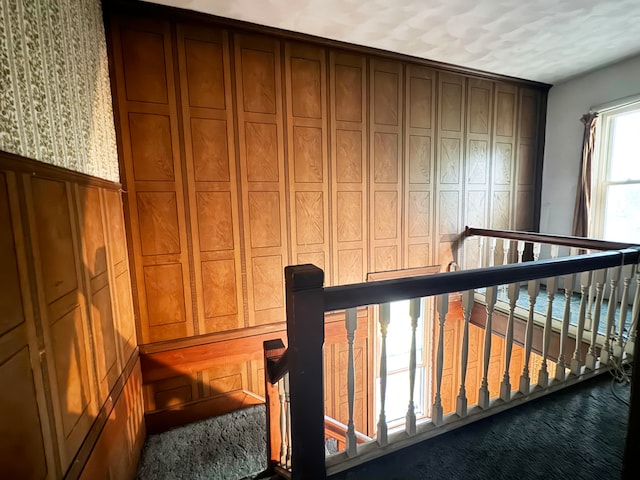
x,y
600,162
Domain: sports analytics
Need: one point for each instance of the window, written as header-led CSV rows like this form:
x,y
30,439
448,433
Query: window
x,y
398,353
615,207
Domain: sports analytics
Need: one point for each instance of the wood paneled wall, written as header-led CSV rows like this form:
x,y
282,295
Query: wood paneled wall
x,y
244,151
66,330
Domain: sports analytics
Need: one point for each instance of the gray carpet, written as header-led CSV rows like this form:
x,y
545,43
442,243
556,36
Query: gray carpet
x,y
229,447
575,434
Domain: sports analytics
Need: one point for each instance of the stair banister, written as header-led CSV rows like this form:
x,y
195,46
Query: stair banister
x,y
305,333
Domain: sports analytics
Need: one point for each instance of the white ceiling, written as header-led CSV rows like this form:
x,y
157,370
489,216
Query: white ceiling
x,y
541,40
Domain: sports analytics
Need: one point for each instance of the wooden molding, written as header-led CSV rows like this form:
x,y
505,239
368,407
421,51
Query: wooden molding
x,y
20,164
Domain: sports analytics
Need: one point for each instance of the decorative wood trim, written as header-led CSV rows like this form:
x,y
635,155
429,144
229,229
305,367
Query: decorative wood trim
x,y
178,361
20,164
152,10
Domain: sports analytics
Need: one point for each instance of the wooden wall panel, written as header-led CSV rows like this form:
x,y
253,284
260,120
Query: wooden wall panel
x,y
478,161
26,449
117,451
449,168
386,169
419,166
61,348
526,167
307,139
208,126
349,180
262,175
503,168
153,174
98,290
295,153
65,321
120,281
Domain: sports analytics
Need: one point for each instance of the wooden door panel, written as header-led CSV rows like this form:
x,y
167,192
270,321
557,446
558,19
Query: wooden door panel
x,y
477,166
526,164
307,140
349,177
503,168
204,58
449,165
262,175
386,173
419,166
152,174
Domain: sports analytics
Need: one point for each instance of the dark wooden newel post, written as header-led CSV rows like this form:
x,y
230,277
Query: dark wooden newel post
x,y
305,331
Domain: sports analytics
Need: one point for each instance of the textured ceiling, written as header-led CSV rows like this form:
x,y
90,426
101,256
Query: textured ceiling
x,y
542,40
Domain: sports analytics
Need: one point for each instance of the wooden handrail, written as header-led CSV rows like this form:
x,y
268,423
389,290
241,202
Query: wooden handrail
x,y
562,240
338,430
355,295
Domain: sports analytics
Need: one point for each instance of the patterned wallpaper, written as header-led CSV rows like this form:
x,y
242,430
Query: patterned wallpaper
x,y
55,98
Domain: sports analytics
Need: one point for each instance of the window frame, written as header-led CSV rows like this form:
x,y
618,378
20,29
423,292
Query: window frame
x,y
601,166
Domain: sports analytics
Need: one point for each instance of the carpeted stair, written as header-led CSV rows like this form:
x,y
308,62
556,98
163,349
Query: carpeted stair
x,y
227,447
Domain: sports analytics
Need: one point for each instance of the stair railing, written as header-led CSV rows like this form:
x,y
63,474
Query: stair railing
x,y
307,302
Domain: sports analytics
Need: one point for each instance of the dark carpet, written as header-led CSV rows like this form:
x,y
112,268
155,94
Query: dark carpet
x,y
578,433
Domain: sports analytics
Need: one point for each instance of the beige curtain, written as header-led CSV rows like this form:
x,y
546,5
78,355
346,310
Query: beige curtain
x,y
583,193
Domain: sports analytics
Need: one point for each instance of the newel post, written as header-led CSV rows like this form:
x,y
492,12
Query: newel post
x,y
305,331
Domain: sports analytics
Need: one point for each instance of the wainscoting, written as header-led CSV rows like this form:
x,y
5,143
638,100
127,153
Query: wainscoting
x,y
67,334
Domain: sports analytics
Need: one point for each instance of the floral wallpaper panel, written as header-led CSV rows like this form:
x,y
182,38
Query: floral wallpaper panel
x,y
55,97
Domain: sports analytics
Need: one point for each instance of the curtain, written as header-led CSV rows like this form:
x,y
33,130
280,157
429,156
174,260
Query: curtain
x,y
583,193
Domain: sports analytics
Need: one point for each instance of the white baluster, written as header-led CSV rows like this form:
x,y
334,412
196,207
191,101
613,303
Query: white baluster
x,y
600,280
483,393
576,362
283,422
566,317
492,251
351,324
525,382
513,292
506,246
629,270
554,251
520,250
385,318
607,349
467,307
287,393
480,251
537,247
442,305
634,315
588,319
552,283
414,312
